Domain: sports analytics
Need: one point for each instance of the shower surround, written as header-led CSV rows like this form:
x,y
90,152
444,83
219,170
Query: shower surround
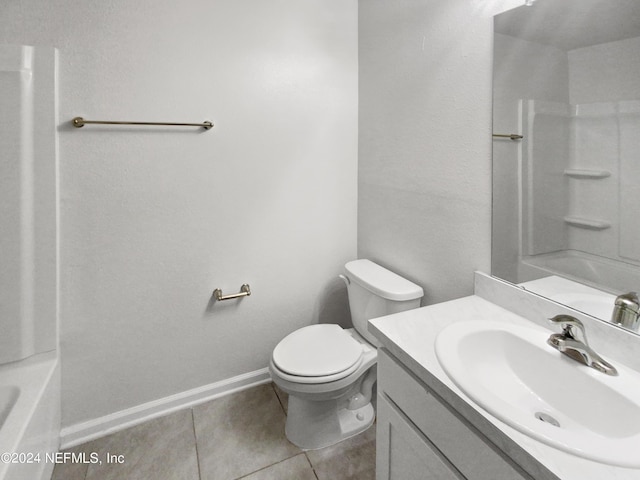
x,y
29,366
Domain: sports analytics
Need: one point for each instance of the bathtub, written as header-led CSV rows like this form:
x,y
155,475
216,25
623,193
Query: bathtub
x,y
603,273
29,417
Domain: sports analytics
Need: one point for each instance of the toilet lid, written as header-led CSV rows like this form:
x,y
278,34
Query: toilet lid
x,y
317,351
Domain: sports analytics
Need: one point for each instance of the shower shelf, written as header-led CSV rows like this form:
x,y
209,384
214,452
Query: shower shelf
x,y
587,173
588,223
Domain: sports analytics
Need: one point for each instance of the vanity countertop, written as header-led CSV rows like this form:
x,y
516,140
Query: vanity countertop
x,y
410,337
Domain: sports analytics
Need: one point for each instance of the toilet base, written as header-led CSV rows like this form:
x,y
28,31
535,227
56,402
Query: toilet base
x,y
312,425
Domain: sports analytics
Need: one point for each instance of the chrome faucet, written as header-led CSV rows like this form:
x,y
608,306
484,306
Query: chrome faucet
x,y
626,311
573,343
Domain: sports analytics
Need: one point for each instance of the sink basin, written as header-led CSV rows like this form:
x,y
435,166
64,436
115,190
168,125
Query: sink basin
x,y
511,372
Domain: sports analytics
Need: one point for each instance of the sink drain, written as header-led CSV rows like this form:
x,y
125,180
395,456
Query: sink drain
x,y
546,418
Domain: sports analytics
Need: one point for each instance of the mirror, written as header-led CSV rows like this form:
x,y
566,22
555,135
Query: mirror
x,y
566,207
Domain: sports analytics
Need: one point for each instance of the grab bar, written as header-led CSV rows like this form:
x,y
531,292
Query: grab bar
x,y
245,291
512,136
79,122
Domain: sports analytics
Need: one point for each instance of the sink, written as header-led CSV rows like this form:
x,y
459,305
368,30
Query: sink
x,y
511,372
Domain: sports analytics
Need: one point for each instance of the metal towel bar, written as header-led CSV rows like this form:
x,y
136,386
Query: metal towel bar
x,y
79,122
512,136
245,291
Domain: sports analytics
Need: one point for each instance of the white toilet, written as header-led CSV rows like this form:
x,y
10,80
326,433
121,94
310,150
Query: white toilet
x,y
329,372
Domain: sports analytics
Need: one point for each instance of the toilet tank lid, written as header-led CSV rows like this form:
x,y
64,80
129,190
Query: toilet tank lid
x,y
381,281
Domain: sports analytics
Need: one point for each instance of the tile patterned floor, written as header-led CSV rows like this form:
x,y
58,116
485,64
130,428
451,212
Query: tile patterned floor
x,y
240,436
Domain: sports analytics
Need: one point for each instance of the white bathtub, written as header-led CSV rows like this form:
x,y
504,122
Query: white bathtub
x,y
605,274
29,417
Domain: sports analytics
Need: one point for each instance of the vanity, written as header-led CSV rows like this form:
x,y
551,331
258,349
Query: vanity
x,y
566,241
422,436
429,427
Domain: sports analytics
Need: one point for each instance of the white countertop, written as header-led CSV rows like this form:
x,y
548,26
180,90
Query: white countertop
x,y
410,336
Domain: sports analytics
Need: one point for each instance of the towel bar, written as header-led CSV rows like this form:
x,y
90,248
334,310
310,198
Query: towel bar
x,y
79,122
512,136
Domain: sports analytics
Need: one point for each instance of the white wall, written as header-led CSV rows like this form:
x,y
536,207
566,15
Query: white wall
x,y
606,72
152,220
425,139
524,69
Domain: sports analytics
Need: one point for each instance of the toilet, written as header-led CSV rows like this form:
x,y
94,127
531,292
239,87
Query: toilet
x,y
329,372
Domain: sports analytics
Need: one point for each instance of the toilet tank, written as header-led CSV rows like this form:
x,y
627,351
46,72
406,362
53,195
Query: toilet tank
x,y
375,291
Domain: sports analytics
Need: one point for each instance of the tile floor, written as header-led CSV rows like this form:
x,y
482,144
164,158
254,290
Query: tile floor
x,y
240,436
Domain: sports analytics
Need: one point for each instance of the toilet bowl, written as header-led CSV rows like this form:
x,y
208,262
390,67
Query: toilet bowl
x,y
329,372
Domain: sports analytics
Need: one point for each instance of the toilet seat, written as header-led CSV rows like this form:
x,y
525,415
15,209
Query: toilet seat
x,y
317,354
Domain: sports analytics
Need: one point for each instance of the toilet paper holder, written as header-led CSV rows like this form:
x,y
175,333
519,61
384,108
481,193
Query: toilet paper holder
x,y
245,291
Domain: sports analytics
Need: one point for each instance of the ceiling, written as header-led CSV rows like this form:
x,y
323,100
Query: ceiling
x,y
571,24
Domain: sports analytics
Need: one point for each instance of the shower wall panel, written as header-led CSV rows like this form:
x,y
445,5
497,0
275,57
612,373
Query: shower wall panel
x,y
546,127
629,184
28,206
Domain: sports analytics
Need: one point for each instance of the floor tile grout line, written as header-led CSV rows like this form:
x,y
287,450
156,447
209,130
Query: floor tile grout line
x,y
315,474
195,442
86,472
271,465
273,386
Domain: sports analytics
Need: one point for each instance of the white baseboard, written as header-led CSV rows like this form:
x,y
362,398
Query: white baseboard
x,y
100,427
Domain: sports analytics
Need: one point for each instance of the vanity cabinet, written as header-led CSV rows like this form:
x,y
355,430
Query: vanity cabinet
x,y
419,437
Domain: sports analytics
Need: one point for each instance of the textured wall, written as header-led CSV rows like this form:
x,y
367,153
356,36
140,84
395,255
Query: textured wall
x,y
424,201
152,220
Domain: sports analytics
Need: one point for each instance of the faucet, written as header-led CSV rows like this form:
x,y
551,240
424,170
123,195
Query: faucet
x,y
626,311
573,343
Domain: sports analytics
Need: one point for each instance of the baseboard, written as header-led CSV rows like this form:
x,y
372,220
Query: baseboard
x,y
100,427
